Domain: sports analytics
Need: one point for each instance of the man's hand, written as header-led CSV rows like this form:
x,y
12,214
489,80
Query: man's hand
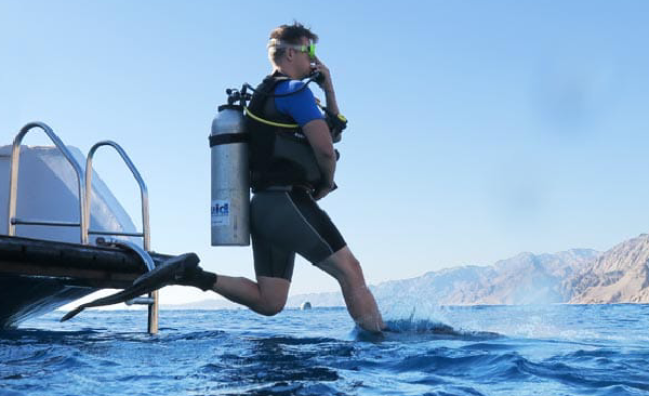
x,y
326,84
322,191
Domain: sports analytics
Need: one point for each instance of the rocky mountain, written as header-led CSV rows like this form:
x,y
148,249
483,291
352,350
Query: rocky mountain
x,y
535,279
619,275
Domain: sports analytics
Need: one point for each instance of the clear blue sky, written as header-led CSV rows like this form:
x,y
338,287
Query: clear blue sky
x,y
478,129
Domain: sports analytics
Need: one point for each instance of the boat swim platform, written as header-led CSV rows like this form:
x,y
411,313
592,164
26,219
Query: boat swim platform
x,y
38,276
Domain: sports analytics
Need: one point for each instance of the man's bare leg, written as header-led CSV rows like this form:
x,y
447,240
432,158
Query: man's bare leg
x,y
362,307
267,296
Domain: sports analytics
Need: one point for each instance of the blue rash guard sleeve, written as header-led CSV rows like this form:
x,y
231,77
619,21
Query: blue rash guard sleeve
x,y
300,106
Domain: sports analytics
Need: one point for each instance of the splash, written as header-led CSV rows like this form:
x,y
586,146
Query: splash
x,y
415,329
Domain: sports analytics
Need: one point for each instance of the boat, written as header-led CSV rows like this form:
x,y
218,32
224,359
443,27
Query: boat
x,y
63,234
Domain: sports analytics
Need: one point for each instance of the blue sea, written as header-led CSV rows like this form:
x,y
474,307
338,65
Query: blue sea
x,y
486,350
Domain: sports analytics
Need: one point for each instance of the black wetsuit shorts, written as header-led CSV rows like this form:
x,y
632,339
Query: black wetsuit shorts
x,y
287,222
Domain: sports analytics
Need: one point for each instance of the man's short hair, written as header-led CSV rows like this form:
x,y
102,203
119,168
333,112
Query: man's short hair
x,y
289,34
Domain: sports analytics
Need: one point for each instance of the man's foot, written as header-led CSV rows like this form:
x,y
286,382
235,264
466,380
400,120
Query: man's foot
x,y
197,277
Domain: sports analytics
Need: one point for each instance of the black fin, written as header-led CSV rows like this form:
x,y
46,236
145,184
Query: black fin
x,y
164,274
169,271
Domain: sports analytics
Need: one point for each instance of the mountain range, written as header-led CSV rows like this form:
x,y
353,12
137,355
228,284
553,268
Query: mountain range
x,y
576,276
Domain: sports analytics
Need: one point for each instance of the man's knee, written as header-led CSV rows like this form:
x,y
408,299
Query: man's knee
x,y
270,308
353,271
273,294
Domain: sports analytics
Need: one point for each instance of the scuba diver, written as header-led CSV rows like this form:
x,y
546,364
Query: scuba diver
x,y
283,122
285,217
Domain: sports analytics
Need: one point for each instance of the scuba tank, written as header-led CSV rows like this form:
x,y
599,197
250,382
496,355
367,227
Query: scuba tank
x,y
230,208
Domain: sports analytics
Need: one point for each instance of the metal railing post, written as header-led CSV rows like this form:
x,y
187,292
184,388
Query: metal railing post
x,y
146,234
12,221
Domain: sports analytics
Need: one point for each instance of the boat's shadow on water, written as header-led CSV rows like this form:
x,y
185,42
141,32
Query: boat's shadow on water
x,y
421,330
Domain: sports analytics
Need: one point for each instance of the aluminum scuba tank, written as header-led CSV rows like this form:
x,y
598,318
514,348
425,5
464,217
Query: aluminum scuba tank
x,y
230,208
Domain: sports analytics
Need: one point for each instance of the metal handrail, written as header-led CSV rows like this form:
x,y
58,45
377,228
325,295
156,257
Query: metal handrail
x,y
145,234
12,221
153,300
143,254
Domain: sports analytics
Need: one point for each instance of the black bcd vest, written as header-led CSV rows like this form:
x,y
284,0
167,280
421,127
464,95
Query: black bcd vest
x,y
278,156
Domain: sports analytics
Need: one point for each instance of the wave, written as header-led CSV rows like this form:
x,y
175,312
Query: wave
x,y
296,354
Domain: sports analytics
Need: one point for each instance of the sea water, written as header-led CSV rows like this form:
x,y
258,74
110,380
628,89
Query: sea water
x,y
486,350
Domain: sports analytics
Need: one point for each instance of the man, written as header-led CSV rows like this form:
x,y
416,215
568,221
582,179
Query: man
x,y
285,218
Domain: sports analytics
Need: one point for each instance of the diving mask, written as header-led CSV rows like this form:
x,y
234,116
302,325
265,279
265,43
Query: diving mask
x,y
309,49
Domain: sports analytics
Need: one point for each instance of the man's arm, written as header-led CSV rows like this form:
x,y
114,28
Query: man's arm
x,y
319,137
327,86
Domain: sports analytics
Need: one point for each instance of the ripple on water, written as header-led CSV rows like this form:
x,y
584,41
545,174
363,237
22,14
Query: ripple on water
x,y
296,354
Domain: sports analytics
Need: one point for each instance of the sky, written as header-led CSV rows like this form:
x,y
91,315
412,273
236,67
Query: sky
x,y
477,129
